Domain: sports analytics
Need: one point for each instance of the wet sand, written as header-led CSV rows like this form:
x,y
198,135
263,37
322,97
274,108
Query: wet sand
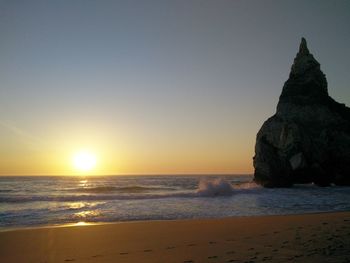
x,y
312,238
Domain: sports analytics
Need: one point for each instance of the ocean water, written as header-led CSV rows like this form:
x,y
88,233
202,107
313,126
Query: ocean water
x,y
39,201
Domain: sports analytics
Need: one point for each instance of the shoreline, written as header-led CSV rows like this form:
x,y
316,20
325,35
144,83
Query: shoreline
x,y
318,237
86,224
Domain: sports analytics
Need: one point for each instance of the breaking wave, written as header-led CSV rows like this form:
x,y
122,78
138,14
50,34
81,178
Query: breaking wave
x,y
247,186
221,187
205,188
215,187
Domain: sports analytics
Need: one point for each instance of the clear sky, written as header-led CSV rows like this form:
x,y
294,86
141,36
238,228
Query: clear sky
x,y
154,86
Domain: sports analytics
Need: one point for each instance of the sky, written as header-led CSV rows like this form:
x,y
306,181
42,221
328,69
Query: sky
x,y
154,87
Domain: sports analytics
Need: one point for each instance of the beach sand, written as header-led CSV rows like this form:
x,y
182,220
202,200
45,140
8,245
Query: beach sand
x,y
313,238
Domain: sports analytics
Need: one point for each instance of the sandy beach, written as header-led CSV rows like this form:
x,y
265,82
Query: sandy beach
x,y
321,237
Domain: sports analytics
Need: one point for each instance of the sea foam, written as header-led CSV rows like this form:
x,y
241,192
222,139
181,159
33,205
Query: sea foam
x,y
214,187
37,200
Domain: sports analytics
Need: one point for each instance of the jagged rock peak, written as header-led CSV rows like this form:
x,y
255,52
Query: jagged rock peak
x,y
306,82
303,50
304,61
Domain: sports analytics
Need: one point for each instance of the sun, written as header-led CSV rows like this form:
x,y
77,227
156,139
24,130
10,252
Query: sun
x,y
84,161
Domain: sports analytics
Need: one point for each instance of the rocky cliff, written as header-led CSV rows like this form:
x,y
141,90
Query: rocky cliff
x,y
308,139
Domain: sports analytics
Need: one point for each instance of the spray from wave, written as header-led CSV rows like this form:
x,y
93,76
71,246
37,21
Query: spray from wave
x,y
221,187
215,187
247,186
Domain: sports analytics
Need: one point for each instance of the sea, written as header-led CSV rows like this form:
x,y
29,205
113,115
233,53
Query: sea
x,y
34,201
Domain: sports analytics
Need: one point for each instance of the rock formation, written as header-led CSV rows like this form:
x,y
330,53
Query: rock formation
x,y
308,139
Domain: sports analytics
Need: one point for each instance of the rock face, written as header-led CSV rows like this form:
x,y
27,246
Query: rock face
x,y
308,139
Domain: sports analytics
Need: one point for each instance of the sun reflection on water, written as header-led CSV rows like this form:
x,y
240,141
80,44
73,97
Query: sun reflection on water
x,y
83,183
85,214
76,205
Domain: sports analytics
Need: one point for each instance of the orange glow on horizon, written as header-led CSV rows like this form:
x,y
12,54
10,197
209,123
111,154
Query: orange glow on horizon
x,y
123,155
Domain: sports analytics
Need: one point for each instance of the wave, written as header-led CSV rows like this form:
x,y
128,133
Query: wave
x,y
125,189
215,187
99,189
77,198
247,186
221,187
206,188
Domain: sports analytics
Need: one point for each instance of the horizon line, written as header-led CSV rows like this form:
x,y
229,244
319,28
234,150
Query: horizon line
x,y
148,174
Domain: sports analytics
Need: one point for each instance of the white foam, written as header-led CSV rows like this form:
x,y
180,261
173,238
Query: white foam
x,y
247,186
215,187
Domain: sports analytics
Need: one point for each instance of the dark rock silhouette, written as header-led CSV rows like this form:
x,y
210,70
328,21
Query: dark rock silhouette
x,y
308,139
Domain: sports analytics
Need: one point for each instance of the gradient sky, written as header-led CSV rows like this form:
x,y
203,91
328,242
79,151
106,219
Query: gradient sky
x,y
154,86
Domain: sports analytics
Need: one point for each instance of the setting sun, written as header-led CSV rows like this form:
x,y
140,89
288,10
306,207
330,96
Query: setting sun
x,y
84,161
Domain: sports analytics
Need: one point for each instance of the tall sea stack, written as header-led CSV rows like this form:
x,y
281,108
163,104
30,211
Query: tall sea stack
x,y
308,138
